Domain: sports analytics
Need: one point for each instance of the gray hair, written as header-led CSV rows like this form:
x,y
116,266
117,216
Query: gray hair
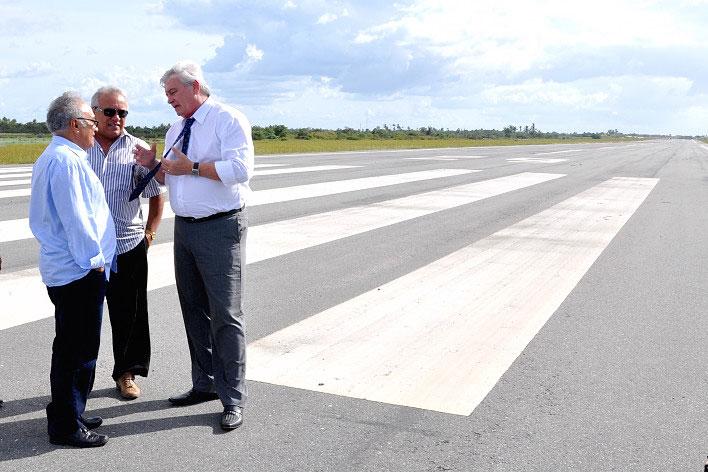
x,y
106,89
187,72
62,110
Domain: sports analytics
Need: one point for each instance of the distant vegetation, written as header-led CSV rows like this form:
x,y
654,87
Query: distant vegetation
x,y
22,143
394,131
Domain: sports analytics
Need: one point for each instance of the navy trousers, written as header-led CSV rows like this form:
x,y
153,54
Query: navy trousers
x,y
78,311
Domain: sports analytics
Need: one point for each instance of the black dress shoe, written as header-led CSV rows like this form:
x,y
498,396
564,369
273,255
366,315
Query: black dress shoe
x,y
192,398
81,438
231,418
92,422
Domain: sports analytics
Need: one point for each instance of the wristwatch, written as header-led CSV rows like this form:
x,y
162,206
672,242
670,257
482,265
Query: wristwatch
x,y
195,169
152,234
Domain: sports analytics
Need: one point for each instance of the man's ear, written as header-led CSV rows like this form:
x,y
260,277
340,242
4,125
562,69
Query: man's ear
x,y
196,87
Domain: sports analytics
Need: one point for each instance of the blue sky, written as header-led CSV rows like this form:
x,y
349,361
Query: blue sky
x,y
636,66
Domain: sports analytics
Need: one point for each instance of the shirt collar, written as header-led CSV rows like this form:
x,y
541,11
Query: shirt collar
x,y
201,113
62,141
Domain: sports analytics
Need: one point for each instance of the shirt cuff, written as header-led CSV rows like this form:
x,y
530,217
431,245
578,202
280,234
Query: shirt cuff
x,y
225,171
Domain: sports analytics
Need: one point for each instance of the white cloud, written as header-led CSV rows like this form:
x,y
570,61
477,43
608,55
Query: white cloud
x,y
254,53
456,63
326,18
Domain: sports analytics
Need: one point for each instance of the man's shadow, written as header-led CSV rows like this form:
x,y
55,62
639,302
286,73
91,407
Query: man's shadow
x,y
28,438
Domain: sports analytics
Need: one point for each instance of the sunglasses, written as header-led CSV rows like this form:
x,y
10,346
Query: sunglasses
x,y
109,112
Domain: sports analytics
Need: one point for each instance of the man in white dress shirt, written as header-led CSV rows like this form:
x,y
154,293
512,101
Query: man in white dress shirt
x,y
208,186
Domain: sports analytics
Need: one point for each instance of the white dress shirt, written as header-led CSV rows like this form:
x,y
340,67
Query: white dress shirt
x,y
219,134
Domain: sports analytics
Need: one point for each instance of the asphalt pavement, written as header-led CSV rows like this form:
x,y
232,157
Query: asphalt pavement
x,y
523,308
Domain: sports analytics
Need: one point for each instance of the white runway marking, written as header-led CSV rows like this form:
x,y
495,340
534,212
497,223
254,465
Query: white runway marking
x,y
21,192
15,175
15,170
28,299
443,158
440,337
14,230
538,160
293,170
8,183
557,152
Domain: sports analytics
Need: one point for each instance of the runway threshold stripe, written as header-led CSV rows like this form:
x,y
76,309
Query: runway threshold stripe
x,y
15,175
441,337
27,298
8,183
15,230
14,170
295,170
291,170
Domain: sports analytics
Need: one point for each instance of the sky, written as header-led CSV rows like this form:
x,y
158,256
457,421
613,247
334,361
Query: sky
x,y
561,65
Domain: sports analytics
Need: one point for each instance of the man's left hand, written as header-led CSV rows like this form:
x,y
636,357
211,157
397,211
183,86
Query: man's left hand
x,y
180,166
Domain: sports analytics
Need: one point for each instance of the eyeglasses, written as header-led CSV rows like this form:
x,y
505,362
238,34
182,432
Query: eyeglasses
x,y
93,122
109,112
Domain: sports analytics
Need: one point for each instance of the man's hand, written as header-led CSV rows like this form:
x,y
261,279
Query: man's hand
x,y
146,157
180,166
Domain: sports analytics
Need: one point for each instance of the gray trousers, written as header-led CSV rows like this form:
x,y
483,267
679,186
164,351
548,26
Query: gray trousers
x,y
209,263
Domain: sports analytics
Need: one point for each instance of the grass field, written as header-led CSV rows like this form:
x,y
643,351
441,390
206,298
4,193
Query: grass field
x,y
25,150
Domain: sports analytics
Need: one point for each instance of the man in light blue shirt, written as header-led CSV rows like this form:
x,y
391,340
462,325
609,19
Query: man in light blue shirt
x,y
71,221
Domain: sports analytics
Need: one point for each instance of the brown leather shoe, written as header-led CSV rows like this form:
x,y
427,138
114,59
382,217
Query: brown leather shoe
x,y
127,386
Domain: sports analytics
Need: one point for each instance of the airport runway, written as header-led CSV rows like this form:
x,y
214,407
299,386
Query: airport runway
x,y
526,308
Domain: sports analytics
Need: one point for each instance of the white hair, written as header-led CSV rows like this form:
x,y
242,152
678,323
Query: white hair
x,y
187,72
106,89
62,110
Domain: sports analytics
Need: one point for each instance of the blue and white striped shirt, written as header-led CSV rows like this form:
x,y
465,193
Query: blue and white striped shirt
x,y
119,174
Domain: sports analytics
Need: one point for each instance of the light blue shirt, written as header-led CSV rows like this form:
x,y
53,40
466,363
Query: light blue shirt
x,y
69,215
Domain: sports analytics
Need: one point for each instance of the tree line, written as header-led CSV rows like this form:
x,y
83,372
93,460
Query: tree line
x,y
393,131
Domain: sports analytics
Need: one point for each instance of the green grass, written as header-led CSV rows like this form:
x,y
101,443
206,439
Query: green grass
x,y
26,149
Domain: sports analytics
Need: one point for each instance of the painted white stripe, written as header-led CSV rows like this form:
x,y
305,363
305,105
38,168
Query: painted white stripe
x,y
430,159
557,152
476,310
8,183
538,160
27,295
263,197
20,192
15,175
14,230
294,170
283,237
704,146
26,192
14,170
265,166
443,158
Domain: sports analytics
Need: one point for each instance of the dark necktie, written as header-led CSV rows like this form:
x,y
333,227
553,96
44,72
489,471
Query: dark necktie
x,y
140,186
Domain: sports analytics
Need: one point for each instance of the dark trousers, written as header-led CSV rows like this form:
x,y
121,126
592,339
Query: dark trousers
x,y
126,295
78,311
209,263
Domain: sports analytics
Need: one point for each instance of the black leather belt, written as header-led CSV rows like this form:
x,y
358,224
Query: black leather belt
x,y
190,219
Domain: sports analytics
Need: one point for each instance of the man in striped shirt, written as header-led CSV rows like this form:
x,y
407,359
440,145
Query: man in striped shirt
x,y
111,157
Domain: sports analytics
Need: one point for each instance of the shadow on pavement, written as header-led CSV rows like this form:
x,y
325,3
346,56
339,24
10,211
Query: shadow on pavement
x,y
28,437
